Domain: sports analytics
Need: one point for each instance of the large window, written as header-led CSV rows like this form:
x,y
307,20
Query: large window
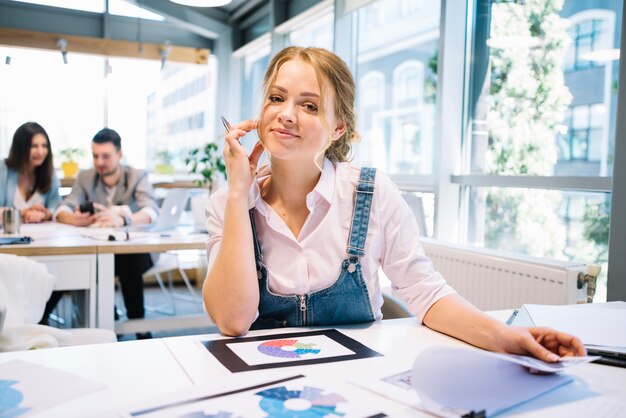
x,y
396,74
255,58
316,29
67,100
545,107
157,111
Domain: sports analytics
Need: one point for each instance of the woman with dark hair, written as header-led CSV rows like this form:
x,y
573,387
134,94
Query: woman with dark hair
x,y
27,178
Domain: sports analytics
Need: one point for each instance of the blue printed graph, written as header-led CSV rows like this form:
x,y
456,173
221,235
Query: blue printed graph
x,y
10,400
279,402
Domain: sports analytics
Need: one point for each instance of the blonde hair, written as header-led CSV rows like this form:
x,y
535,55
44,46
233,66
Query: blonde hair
x,y
334,72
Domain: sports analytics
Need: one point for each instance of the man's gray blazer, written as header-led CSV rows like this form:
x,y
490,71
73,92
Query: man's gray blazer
x,y
133,190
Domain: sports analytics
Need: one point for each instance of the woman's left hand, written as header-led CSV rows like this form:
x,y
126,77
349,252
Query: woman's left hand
x,y
36,214
543,343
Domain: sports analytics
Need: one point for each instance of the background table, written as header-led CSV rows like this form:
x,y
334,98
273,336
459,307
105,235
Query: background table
x,y
83,259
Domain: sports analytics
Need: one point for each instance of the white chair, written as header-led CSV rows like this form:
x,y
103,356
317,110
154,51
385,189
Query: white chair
x,y
25,287
169,263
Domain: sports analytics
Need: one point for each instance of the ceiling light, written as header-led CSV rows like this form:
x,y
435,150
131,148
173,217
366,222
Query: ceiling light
x,y
202,3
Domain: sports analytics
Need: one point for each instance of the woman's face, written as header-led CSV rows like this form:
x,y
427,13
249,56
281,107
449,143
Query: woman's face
x,y
38,150
291,125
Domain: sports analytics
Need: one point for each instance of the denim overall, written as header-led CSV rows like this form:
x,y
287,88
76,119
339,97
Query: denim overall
x,y
346,301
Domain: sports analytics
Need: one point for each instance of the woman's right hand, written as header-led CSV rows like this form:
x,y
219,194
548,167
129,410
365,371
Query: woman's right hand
x,y
240,167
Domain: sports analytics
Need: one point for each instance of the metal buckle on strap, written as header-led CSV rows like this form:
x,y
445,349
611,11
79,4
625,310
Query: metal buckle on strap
x,y
356,189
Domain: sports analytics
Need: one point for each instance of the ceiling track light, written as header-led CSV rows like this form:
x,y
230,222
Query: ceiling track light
x,y
202,3
62,44
165,53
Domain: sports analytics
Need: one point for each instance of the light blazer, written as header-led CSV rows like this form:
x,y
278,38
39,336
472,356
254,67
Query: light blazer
x,y
8,186
133,190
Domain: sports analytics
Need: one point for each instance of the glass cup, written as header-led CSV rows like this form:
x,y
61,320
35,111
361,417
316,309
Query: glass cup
x,y
11,221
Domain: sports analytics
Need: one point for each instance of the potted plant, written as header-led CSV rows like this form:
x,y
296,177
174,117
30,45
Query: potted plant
x,y
69,164
208,162
164,165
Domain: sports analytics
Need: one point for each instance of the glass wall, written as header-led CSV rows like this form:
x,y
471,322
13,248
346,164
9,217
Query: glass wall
x,y
542,102
254,61
396,72
317,31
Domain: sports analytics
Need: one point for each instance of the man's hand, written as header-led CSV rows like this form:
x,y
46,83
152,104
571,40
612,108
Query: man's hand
x,y
105,217
77,218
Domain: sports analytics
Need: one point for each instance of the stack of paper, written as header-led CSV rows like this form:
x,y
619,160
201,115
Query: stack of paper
x,y
600,326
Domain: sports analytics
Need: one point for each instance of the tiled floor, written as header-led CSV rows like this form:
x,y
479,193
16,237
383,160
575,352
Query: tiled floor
x,y
155,301
154,298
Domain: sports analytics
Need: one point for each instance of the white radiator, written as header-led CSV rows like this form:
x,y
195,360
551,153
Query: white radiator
x,y
494,280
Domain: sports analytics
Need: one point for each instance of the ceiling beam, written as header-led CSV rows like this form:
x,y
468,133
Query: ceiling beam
x,y
202,24
37,18
99,46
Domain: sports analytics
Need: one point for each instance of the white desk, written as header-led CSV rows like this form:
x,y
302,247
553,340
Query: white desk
x,y
135,370
81,262
130,370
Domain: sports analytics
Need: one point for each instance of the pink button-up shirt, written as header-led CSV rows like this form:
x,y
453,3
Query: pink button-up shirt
x,y
312,260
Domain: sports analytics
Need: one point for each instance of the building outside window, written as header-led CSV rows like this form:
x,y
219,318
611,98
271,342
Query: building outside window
x,y
180,111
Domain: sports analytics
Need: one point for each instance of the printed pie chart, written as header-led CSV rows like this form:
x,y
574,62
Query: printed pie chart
x,y
279,402
287,348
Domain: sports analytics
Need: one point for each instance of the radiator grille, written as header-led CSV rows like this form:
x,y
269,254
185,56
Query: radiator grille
x,y
494,280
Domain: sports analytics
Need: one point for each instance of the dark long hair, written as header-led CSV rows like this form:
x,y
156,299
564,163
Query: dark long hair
x,y
19,155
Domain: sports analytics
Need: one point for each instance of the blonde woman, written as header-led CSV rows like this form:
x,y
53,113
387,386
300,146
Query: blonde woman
x,y
299,242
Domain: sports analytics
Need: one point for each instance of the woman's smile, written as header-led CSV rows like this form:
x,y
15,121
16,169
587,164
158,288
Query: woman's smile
x,y
283,134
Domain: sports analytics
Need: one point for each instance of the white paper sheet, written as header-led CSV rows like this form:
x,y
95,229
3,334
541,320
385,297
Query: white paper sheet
x,y
592,324
27,389
452,381
295,396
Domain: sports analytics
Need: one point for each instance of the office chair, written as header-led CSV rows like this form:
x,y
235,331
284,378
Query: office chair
x,y
169,263
394,308
25,287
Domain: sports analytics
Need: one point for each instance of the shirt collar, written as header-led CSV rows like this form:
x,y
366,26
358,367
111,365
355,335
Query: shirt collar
x,y
324,188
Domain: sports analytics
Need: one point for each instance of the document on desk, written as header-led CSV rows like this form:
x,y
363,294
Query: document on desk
x,y
115,234
274,396
27,389
286,349
595,324
452,382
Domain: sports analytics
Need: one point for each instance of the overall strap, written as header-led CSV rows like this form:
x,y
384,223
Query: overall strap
x,y
363,192
258,254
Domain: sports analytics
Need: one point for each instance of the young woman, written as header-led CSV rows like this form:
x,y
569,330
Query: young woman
x,y
299,242
27,178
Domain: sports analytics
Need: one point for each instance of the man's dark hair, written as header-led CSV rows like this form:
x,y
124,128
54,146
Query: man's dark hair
x,y
108,135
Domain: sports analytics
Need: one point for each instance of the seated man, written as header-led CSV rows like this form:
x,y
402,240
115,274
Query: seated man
x,y
121,196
